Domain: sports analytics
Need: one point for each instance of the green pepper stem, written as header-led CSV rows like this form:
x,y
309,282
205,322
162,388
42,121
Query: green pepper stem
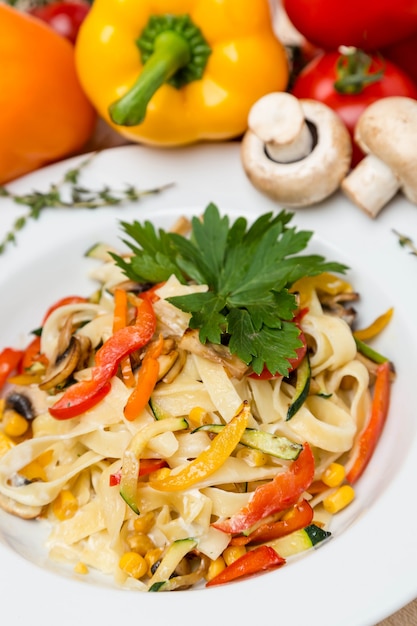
x,y
171,52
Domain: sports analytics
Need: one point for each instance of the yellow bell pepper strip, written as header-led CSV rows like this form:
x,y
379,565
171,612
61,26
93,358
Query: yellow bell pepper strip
x,y
9,362
87,393
375,328
211,459
146,381
45,114
277,495
366,444
300,516
174,72
253,562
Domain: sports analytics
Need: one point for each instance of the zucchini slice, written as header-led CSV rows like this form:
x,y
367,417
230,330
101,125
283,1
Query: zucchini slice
x,y
302,387
277,446
299,540
173,556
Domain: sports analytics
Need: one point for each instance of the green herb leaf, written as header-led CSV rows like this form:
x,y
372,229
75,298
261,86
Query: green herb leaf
x,y
249,272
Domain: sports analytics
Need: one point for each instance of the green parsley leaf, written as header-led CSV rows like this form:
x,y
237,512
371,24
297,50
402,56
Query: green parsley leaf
x,y
249,271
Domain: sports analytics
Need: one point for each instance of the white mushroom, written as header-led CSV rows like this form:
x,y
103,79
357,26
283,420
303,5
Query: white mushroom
x,y
387,133
295,151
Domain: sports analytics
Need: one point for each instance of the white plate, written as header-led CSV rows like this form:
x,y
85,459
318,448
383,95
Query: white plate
x,y
368,570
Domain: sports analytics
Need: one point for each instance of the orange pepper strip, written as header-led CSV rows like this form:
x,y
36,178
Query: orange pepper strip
x,y
376,327
369,438
145,384
120,321
260,559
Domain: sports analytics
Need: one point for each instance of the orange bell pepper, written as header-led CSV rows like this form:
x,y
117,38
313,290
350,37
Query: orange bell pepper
x,y
45,115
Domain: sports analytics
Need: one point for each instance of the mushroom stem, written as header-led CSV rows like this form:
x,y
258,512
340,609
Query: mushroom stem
x,y
371,185
278,121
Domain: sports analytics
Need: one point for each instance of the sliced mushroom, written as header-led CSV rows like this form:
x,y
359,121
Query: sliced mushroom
x,y
64,365
176,368
20,510
190,341
295,151
21,403
336,305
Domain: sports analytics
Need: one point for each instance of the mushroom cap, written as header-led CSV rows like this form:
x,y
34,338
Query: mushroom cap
x,y
312,178
388,130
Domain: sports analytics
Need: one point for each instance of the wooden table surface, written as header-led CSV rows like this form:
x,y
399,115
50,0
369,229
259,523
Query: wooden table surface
x,y
104,137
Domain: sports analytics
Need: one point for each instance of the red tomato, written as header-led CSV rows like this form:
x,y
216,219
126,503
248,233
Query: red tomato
x,y
317,81
369,24
65,18
404,54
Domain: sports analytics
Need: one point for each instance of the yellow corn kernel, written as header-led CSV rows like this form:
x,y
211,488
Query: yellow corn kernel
x,y
254,458
14,424
144,523
5,443
80,568
65,505
339,499
215,567
232,553
198,416
34,471
152,557
133,564
140,543
334,475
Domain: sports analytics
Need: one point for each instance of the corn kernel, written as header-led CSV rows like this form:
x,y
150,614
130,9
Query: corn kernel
x,y
339,499
34,471
334,475
152,557
80,568
144,523
140,543
254,458
65,505
14,424
133,564
198,416
232,553
215,567
5,443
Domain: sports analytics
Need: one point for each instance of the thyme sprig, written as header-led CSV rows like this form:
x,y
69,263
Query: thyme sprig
x,y
406,242
69,194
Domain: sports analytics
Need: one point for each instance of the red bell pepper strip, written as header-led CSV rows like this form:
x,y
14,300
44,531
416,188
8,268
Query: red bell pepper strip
x,y
120,321
368,439
277,495
32,355
9,363
300,517
147,466
257,560
146,381
62,302
150,294
87,393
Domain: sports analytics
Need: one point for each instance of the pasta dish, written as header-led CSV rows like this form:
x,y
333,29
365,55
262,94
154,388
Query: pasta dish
x,y
164,459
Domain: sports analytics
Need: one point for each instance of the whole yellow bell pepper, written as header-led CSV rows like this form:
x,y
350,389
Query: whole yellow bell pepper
x,y
172,72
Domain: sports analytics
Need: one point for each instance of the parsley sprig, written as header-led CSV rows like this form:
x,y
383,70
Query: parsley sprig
x,y
248,270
